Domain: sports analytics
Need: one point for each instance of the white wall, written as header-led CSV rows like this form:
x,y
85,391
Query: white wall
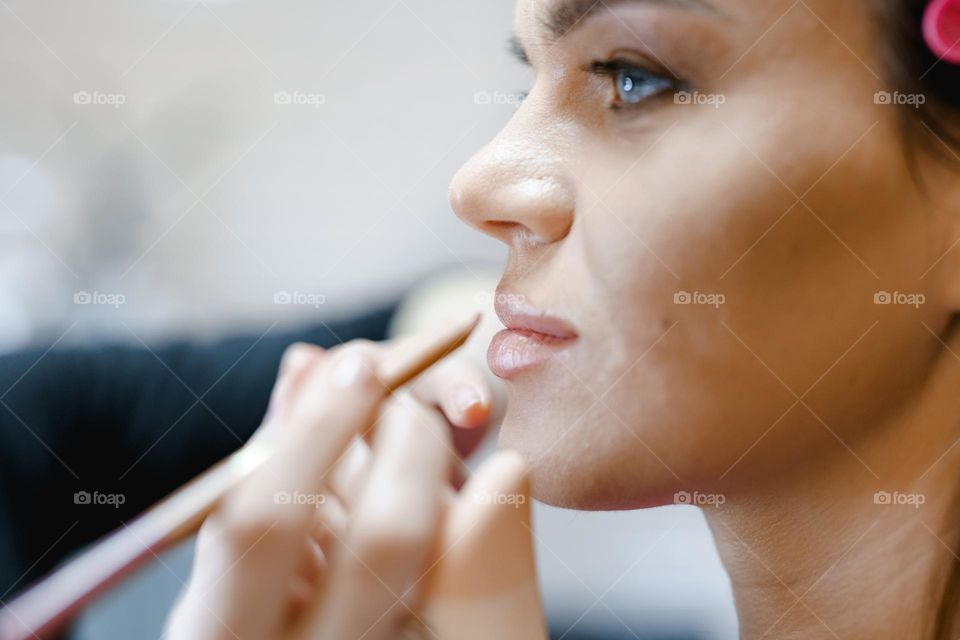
x,y
347,200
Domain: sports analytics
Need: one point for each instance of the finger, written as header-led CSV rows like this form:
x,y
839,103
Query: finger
x,y
330,524
260,528
296,360
460,389
299,596
462,393
314,563
296,355
487,560
375,572
191,616
440,387
351,472
312,568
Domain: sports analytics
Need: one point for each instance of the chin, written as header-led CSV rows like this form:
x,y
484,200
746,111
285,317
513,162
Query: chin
x,y
577,474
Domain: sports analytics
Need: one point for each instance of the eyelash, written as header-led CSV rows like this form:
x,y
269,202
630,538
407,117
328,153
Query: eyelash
x,y
615,70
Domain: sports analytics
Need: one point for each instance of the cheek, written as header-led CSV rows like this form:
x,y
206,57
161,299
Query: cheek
x,y
719,243
781,293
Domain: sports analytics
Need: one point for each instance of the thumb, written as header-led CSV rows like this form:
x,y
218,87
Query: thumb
x,y
485,583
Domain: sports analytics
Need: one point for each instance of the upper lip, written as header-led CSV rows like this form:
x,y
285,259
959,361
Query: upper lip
x,y
519,316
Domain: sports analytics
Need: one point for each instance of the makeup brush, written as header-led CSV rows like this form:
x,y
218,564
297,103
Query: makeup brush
x,y
47,606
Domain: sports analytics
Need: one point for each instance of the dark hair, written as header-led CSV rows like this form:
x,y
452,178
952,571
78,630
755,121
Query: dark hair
x,y
912,68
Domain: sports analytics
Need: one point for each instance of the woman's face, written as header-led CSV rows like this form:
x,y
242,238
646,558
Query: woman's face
x,y
704,202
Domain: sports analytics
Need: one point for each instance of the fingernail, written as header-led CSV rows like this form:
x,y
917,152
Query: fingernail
x,y
352,370
469,401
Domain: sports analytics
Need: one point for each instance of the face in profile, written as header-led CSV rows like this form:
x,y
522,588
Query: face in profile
x,y
714,236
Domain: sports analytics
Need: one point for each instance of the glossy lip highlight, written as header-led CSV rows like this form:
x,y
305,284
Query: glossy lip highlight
x,y
531,337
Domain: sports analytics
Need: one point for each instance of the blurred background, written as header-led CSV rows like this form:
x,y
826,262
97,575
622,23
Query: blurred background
x,y
172,168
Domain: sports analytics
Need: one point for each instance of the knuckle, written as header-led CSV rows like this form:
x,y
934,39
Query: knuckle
x,y
353,368
242,528
360,348
347,382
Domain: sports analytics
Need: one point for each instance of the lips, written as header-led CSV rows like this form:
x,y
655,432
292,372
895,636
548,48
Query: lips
x,y
531,338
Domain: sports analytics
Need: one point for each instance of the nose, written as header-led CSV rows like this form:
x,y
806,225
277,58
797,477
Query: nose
x,y
517,188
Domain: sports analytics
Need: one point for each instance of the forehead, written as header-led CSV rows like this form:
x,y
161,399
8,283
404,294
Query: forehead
x,y
556,17
553,18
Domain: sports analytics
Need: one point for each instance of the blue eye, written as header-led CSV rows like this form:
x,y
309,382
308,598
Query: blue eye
x,y
635,85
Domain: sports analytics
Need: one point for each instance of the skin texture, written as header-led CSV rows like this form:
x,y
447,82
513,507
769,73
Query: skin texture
x,y
797,398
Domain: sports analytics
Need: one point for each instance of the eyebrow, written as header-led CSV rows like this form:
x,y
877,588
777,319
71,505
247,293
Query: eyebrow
x,y
565,15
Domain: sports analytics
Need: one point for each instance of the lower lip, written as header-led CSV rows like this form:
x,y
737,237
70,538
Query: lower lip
x,y
513,351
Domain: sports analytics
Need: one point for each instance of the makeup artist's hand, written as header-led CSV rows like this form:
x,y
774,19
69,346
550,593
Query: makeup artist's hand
x,y
372,544
455,386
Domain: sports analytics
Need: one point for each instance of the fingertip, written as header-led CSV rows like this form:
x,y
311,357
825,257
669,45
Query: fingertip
x,y
494,501
470,407
510,463
505,472
297,356
475,415
296,359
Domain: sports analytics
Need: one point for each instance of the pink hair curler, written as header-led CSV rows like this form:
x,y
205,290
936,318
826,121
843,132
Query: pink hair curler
x,y
941,29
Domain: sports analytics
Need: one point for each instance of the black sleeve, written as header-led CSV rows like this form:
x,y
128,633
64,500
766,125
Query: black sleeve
x,y
89,437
